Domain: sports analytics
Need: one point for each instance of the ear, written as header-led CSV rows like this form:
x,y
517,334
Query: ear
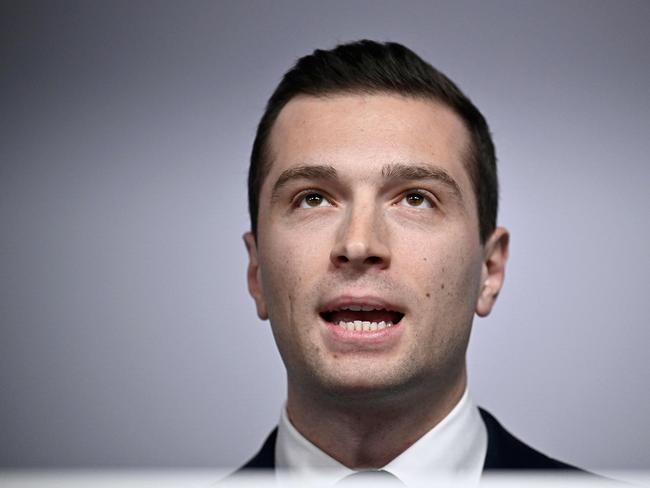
x,y
253,276
493,271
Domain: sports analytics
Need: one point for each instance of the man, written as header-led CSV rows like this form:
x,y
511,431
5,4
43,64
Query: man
x,y
373,200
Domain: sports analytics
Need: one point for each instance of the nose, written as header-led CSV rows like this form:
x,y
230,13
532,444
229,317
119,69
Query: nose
x,y
361,241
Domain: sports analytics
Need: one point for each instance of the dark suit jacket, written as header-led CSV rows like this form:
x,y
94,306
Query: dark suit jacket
x,y
504,452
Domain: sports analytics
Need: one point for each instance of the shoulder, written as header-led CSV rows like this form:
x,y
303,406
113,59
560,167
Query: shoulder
x,y
506,452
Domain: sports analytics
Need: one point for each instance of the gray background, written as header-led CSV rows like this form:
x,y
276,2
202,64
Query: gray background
x,y
127,335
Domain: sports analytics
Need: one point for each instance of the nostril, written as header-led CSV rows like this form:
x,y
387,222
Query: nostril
x,y
373,260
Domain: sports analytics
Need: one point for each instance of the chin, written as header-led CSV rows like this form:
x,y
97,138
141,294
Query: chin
x,y
355,385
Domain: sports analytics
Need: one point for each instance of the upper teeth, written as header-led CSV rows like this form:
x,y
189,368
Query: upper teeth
x,y
360,308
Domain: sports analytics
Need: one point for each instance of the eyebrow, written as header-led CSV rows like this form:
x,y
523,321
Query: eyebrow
x,y
421,171
307,172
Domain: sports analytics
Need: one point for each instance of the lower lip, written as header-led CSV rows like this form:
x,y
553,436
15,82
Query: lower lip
x,y
373,339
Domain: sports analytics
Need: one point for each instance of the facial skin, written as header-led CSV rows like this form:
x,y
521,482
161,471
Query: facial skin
x,y
368,202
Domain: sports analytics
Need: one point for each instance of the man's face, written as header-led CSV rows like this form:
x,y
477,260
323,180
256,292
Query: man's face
x,y
367,220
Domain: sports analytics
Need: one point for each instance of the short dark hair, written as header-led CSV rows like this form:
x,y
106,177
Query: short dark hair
x,y
371,67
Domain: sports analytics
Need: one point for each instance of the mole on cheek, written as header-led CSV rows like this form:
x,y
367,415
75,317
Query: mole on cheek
x,y
442,286
428,295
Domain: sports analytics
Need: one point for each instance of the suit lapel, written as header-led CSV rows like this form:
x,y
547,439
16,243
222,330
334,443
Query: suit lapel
x,y
265,458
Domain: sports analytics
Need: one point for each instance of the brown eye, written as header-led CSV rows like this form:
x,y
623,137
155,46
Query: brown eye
x,y
313,200
416,199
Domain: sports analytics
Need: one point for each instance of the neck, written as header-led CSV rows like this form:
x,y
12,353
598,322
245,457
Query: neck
x,y
368,433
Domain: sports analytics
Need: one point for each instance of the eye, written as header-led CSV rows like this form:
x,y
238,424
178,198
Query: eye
x,y
416,199
313,199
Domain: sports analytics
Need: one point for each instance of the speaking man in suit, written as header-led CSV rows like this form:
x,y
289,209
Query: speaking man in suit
x,y
374,241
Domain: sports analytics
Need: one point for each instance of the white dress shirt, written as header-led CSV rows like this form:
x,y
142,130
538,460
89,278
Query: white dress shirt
x,y
454,448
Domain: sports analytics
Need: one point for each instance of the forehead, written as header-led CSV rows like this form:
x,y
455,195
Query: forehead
x,y
361,133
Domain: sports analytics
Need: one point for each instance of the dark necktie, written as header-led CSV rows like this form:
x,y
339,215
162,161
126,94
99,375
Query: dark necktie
x,y
368,478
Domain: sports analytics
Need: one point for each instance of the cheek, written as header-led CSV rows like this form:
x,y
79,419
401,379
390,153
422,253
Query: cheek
x,y
290,276
446,298
289,271
446,274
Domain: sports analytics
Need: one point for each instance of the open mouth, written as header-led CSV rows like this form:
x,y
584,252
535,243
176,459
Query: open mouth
x,y
362,318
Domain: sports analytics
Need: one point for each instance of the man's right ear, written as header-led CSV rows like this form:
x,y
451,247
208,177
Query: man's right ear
x,y
253,276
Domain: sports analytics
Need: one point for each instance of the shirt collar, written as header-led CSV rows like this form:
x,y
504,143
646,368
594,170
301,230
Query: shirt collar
x,y
455,447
